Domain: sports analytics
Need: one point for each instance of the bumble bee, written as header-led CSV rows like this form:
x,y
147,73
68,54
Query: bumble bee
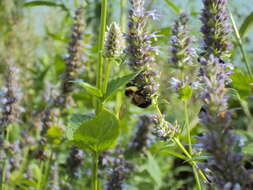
x,y
130,90
138,95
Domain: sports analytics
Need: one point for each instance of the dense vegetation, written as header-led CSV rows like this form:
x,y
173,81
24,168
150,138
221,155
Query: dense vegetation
x,y
117,94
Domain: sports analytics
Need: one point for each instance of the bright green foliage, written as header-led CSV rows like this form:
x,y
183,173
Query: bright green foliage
x,y
91,89
246,25
186,93
242,82
74,122
54,134
97,134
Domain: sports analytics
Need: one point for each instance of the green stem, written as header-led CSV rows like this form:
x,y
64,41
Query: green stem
x,y
177,141
5,135
122,15
239,41
46,172
3,175
187,126
118,103
196,175
179,144
95,172
106,79
39,184
99,80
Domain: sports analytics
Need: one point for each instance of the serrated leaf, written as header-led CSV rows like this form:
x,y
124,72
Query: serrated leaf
x,y
246,25
115,84
91,89
75,121
45,3
99,133
186,93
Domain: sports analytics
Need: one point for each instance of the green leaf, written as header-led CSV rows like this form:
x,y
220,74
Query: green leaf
x,y
75,121
29,183
241,82
115,84
45,3
173,153
185,93
248,149
99,133
54,134
164,32
154,169
246,25
197,158
173,6
91,89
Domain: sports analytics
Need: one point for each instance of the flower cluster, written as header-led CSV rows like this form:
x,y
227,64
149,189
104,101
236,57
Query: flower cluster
x,y
142,137
216,28
224,164
120,169
163,129
9,95
182,53
114,42
70,74
74,161
140,53
73,61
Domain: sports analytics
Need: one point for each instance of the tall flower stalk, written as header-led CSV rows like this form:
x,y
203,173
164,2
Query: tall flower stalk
x,y
216,28
140,56
224,164
10,98
9,114
72,66
180,48
182,55
182,59
114,44
121,168
73,62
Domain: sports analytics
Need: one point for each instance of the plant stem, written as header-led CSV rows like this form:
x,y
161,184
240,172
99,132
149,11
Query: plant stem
x,y
239,41
196,175
122,15
99,80
95,172
106,79
118,103
5,135
177,141
39,183
187,126
47,170
3,175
